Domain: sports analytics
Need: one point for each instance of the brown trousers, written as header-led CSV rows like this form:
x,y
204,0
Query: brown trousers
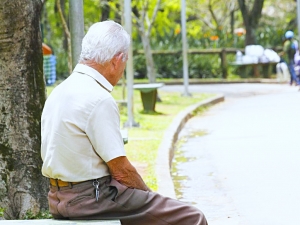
x,y
118,202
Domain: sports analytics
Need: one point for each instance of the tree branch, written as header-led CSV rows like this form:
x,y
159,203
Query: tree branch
x,y
61,15
67,32
244,11
154,15
256,11
212,13
144,10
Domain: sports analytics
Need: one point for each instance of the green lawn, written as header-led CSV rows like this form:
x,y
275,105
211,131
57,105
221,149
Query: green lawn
x,y
143,141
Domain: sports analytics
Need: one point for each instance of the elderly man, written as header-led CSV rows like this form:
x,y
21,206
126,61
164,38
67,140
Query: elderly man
x,y
82,148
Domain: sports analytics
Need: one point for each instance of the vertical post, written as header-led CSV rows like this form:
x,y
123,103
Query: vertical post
x,y
298,18
223,63
129,67
77,28
123,80
184,50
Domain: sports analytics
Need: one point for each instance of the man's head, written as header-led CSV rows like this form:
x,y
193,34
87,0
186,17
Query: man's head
x,y
103,41
106,44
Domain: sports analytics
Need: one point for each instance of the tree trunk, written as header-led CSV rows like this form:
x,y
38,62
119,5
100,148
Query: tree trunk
x,y
145,33
22,96
251,19
151,73
105,10
232,23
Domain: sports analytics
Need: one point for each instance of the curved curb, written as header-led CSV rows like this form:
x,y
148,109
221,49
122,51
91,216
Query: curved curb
x,y
166,150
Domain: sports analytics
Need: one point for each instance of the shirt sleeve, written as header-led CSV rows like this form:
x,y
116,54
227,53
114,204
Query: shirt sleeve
x,y
103,130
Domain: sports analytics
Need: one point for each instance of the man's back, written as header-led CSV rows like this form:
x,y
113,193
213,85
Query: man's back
x,y
68,135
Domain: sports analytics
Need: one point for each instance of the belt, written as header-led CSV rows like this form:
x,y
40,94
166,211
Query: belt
x,y
60,183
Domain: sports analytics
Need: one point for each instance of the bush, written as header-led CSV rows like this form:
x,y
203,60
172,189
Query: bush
x,y
170,66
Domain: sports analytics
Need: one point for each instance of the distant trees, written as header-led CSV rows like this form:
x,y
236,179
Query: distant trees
x,y
144,23
251,16
157,26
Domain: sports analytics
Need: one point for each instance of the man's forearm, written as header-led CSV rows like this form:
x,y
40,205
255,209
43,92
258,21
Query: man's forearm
x,y
131,180
123,171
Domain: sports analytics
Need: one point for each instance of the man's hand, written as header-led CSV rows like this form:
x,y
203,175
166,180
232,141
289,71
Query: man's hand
x,y
125,173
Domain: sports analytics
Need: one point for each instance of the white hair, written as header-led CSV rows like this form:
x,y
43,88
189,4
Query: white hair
x,y
103,41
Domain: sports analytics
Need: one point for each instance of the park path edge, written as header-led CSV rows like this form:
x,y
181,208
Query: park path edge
x,y
166,149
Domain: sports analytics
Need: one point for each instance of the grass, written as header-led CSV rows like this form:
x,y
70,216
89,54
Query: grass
x,y
41,215
144,141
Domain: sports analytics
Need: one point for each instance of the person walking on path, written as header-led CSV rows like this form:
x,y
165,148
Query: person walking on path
x,y
288,54
82,148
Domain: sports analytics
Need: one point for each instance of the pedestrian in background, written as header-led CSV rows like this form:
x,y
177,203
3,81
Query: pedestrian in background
x,y
49,65
288,54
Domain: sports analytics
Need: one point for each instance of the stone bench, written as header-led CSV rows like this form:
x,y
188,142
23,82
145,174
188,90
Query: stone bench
x,y
58,222
259,69
148,94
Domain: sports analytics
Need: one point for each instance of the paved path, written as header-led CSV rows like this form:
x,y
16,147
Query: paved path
x,y
243,156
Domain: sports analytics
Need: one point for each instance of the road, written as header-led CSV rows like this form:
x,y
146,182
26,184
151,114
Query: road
x,y
239,161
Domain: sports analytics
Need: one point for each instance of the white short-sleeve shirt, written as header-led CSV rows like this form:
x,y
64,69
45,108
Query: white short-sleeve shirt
x,y
80,128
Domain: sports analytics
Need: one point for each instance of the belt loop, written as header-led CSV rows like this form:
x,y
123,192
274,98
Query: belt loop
x,y
70,185
56,182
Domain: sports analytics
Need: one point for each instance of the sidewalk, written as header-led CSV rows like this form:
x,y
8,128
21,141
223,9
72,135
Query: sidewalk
x,y
243,170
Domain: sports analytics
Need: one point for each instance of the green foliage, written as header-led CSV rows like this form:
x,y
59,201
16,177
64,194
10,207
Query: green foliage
x,y
280,17
207,27
167,19
204,66
41,215
170,66
53,35
2,210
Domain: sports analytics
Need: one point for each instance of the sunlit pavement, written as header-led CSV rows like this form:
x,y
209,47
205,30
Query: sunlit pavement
x,y
243,156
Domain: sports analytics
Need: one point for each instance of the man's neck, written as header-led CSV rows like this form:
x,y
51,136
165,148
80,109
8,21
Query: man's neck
x,y
102,69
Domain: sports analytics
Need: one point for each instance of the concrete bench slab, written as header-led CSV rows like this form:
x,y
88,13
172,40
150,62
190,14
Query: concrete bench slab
x,y
148,94
147,87
58,222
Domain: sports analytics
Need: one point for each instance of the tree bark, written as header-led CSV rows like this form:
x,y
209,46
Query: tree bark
x,y
151,73
145,33
22,96
251,19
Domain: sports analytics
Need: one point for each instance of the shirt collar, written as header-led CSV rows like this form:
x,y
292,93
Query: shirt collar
x,y
81,68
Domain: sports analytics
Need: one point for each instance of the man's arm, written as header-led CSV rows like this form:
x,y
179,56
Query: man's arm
x,y
125,173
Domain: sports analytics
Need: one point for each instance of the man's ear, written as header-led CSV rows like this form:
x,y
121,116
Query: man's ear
x,y
116,60
121,56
